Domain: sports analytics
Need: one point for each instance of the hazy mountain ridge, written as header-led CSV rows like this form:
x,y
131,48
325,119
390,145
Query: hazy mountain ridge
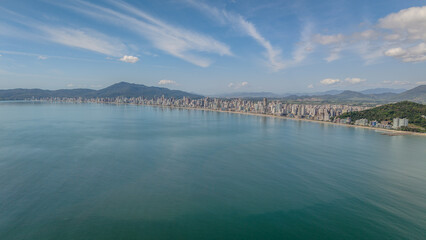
x,y
417,94
293,94
383,90
122,89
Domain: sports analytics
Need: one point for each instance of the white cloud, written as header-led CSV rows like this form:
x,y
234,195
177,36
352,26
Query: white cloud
x,y
167,82
409,23
335,42
328,39
175,41
401,35
273,54
238,85
42,57
329,81
70,85
412,54
395,52
354,80
346,81
310,86
421,83
129,59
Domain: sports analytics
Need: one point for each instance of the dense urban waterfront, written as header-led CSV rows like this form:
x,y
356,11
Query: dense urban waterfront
x,y
328,113
102,171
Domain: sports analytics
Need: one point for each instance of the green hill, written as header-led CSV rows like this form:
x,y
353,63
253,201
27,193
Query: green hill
x,y
415,113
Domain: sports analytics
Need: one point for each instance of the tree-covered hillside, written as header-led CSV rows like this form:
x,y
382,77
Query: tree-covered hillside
x,y
122,89
415,113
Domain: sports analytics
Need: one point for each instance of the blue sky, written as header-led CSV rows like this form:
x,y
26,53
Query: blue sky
x,y
213,47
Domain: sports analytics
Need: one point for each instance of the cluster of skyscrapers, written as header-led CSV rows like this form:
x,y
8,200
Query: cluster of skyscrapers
x,y
321,112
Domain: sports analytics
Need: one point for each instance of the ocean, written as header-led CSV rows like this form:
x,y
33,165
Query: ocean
x,y
99,171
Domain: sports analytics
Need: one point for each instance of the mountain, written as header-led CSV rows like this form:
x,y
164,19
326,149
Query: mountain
x,y
20,94
417,94
344,97
330,92
368,94
383,90
122,89
414,112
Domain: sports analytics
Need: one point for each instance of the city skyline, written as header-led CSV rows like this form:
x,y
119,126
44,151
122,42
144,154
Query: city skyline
x,y
212,47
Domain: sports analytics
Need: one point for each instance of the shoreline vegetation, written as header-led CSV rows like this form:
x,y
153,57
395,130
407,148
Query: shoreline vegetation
x,y
383,131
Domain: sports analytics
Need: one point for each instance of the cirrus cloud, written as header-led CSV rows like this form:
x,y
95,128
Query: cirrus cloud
x,y
176,41
272,53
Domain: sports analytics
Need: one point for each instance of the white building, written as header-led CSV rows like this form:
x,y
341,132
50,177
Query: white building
x,y
399,122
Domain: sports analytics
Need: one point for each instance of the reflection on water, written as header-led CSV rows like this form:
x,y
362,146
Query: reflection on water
x,y
92,171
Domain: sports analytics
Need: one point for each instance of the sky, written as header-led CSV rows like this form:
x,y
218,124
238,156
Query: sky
x,y
213,47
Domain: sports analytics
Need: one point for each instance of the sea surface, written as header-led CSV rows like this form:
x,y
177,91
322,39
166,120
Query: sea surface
x,y
98,171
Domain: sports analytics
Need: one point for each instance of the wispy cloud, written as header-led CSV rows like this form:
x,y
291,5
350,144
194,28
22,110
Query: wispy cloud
x,y
88,39
83,38
355,80
305,46
238,85
176,41
272,54
346,81
41,56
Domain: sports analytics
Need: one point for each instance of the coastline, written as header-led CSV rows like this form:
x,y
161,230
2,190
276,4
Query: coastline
x,y
383,131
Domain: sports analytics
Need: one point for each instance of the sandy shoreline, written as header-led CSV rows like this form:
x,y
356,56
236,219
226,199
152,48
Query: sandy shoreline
x,y
383,131
389,132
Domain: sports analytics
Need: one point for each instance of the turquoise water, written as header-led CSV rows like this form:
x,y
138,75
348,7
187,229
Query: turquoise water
x,y
92,171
